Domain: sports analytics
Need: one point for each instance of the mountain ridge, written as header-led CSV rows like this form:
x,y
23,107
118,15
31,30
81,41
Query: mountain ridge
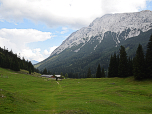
x,y
99,26
92,45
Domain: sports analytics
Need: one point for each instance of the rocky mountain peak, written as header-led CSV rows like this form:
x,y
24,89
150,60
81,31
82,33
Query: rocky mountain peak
x,y
136,22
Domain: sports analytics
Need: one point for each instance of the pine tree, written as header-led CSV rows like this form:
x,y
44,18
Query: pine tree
x,y
139,64
17,66
123,63
149,58
7,62
45,71
49,72
1,59
66,75
110,68
130,67
117,65
61,74
36,70
98,73
113,66
30,71
103,73
89,73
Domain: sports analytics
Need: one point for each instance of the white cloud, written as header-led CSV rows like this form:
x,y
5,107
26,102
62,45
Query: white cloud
x,y
28,52
17,40
52,49
74,13
32,54
65,30
120,6
47,53
25,35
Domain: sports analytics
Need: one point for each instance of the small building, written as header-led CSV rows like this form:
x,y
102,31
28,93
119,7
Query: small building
x,y
51,76
47,76
58,76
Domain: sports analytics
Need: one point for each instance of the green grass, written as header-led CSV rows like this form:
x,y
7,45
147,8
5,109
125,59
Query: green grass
x,y
27,94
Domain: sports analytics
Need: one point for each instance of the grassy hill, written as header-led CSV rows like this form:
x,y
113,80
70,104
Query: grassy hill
x,y
22,93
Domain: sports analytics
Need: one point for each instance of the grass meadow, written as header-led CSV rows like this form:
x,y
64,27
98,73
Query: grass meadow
x,y
27,94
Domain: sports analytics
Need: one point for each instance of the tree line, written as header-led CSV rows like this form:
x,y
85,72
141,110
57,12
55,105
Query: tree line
x,y
139,66
120,65
11,61
99,73
123,66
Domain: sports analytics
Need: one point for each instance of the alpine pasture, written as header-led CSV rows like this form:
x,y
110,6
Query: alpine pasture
x,y
30,94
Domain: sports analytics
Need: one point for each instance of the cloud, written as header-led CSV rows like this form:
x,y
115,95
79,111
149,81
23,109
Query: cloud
x,y
25,35
17,40
73,13
28,52
46,52
50,51
34,54
121,6
65,30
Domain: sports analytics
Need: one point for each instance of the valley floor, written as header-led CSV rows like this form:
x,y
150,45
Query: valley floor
x,y
21,93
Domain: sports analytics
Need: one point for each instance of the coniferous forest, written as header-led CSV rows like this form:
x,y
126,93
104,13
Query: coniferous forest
x,y
139,66
11,61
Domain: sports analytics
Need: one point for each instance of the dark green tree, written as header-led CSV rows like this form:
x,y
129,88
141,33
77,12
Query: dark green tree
x,y
16,65
36,70
24,64
113,66
7,61
110,68
30,67
89,73
49,72
45,71
103,73
66,75
130,67
149,58
139,64
98,73
117,65
1,59
123,63
30,71
61,74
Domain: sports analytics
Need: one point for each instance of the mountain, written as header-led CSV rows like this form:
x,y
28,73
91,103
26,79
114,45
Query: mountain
x,y
94,44
34,62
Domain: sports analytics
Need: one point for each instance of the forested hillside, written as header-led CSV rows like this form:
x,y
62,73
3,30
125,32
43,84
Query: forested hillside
x,y
77,64
11,61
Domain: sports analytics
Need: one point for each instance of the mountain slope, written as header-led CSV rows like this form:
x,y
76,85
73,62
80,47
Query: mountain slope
x,y
116,23
94,44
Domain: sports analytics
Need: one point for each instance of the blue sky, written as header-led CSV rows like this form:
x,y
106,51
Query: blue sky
x,y
35,28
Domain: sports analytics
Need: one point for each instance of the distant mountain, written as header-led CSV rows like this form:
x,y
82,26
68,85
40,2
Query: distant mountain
x,y
34,62
94,44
